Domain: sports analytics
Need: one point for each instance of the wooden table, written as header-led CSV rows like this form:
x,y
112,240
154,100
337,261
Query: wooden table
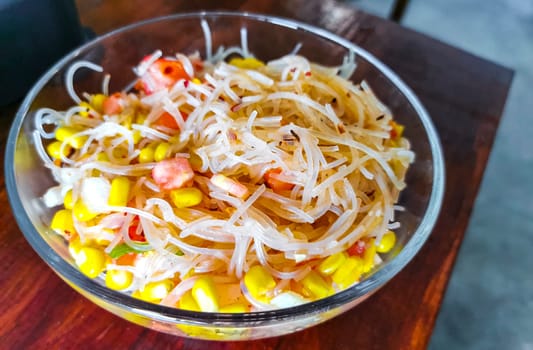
x,y
464,95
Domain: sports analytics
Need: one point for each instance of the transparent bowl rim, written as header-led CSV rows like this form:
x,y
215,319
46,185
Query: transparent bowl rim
x,y
173,315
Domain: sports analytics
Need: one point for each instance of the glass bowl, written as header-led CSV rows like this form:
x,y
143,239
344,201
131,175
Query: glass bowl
x,y
268,38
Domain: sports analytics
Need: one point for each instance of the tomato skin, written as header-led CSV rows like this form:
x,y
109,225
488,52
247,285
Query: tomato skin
x,y
357,249
275,184
133,231
168,121
161,74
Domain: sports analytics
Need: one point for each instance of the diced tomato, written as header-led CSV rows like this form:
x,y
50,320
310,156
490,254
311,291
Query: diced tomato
x,y
358,248
163,73
112,104
127,259
134,232
168,121
275,184
172,173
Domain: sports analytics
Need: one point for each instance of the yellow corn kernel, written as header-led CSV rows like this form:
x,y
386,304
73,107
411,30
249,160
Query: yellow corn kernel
x,y
91,261
258,281
186,197
118,279
82,213
74,246
161,151
236,308
146,155
329,265
187,302
54,150
62,222
86,109
246,63
348,273
196,81
136,136
314,284
368,256
205,294
128,120
120,190
97,101
140,118
387,242
102,157
120,153
155,291
67,200
66,134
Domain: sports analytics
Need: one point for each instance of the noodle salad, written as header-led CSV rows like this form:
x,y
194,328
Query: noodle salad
x,y
226,184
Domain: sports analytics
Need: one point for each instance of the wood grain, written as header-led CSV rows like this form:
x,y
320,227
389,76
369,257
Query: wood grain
x,y
465,96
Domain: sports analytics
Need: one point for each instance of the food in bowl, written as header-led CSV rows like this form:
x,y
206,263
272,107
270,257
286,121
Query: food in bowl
x,y
226,184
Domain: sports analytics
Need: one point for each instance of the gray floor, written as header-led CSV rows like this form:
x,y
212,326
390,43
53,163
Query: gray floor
x,y
489,302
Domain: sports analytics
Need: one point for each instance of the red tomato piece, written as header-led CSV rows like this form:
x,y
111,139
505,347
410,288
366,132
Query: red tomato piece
x,y
358,248
172,173
275,184
168,121
134,232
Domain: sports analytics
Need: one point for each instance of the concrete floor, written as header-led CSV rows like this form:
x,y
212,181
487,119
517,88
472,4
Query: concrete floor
x,y
489,302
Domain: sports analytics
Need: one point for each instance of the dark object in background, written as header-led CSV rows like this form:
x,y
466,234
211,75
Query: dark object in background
x,y
34,34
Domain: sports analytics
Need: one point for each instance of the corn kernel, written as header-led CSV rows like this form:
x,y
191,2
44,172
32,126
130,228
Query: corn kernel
x,y
120,152
258,281
66,134
82,213
146,155
118,279
102,157
186,197
349,272
91,261
387,242
236,308
86,109
329,265
196,81
205,294
127,121
67,200
368,256
54,150
155,291
161,151
97,101
62,222
120,190
136,136
187,302
140,118
246,63
315,285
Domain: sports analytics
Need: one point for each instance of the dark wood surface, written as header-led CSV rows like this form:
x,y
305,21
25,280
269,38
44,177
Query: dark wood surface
x,y
465,96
